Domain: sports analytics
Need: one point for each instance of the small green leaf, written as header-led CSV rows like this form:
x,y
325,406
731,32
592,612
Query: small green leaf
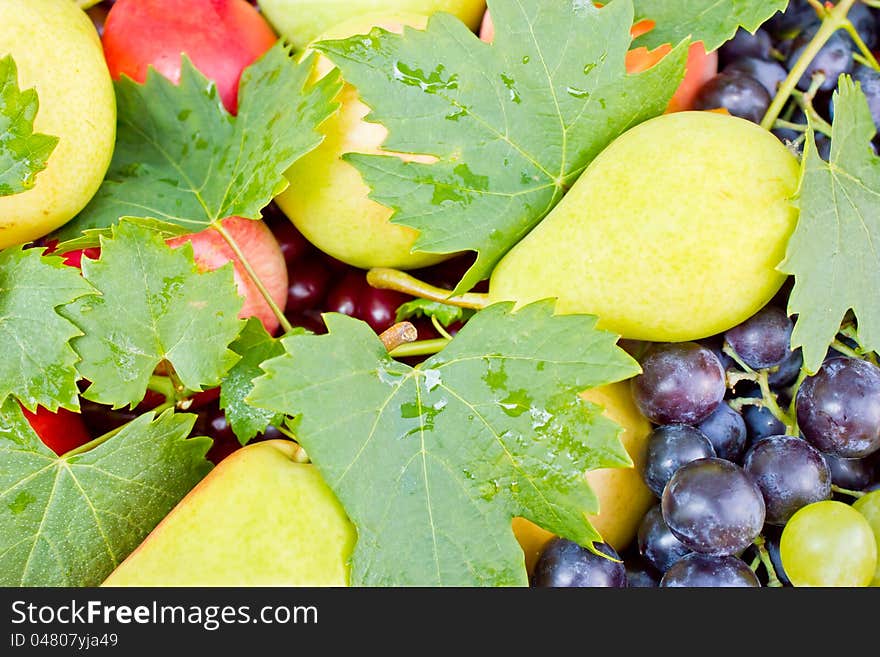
x,y
23,153
512,124
38,364
711,21
444,313
833,253
153,305
255,346
182,159
432,463
70,521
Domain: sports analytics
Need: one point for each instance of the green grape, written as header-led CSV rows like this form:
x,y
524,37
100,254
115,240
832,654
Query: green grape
x,y
828,544
869,506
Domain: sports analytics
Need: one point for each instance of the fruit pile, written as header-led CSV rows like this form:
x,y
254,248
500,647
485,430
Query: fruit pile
x,y
479,293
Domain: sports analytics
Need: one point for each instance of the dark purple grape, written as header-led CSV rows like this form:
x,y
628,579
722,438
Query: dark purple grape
x,y
769,74
703,570
790,472
798,17
764,339
741,95
680,383
564,563
668,448
746,44
761,423
713,506
823,146
293,245
345,295
640,575
834,59
838,409
308,282
787,371
657,544
726,430
378,308
852,474
870,82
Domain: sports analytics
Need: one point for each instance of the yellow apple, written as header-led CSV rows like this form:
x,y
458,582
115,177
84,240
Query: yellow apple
x,y
58,53
302,21
327,199
623,496
258,519
672,233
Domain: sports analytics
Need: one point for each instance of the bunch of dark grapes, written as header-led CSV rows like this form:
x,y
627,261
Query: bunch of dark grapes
x,y
753,66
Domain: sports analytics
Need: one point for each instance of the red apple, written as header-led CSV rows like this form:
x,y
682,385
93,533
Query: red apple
x,y
260,249
701,66
221,37
61,431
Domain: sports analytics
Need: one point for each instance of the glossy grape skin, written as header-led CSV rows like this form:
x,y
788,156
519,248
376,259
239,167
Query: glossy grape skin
x,y
829,544
791,474
786,372
798,17
726,430
761,423
764,339
680,383
772,536
564,563
769,74
713,506
852,474
834,59
668,448
308,283
746,44
838,409
293,244
703,570
741,95
640,575
344,296
657,544
869,507
378,308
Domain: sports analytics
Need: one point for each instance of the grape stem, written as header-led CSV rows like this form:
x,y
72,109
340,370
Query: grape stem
x,y
264,292
768,399
103,438
400,334
772,577
846,491
421,348
440,328
833,19
393,279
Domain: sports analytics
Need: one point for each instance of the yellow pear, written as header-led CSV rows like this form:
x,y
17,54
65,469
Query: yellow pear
x,y
258,519
58,53
623,496
672,233
302,21
327,199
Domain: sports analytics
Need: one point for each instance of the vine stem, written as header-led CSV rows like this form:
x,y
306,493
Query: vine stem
x,y
394,279
772,577
400,334
846,491
422,348
282,320
834,19
107,436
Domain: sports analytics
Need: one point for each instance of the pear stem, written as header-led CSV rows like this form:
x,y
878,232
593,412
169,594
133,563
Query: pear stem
x,y
282,320
400,334
394,279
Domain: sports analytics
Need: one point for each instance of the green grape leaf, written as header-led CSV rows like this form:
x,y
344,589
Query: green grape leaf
x,y
23,153
512,124
255,346
38,362
182,159
69,521
444,313
153,306
711,21
432,463
833,252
